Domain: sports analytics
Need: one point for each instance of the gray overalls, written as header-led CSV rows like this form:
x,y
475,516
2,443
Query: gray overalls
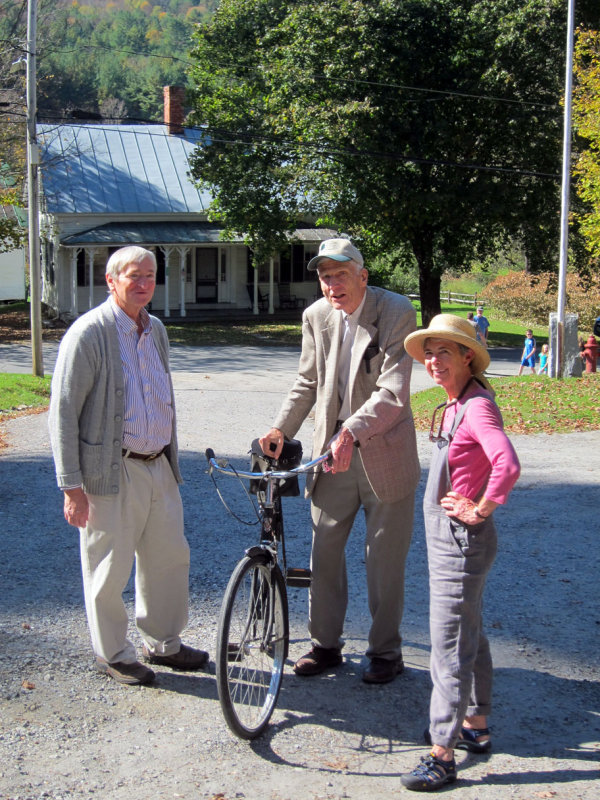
x,y
459,559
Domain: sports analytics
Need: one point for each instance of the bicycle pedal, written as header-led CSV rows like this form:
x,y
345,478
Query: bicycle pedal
x,y
297,576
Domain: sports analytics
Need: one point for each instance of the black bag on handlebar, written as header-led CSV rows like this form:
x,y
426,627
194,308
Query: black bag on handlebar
x,y
291,456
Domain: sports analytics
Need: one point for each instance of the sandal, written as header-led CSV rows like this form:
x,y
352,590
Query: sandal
x,y
430,774
467,740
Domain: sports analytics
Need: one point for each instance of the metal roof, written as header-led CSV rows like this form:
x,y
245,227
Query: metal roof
x,y
118,169
122,233
173,233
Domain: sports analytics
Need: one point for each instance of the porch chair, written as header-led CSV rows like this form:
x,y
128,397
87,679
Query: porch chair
x,y
287,300
263,299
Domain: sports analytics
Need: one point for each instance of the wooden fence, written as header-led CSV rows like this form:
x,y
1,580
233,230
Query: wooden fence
x,y
464,299
455,297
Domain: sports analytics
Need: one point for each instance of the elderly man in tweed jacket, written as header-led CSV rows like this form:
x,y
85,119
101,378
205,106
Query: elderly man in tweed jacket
x,y
355,372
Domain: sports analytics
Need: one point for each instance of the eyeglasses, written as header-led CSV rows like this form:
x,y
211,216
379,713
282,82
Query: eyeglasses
x,y
443,407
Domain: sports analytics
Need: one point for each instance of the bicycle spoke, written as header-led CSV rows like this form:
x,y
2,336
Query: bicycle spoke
x,y
252,644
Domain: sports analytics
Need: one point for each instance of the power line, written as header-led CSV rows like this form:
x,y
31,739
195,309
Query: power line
x,y
229,137
329,79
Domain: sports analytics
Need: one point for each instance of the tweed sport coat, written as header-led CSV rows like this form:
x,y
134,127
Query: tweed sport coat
x,y
381,420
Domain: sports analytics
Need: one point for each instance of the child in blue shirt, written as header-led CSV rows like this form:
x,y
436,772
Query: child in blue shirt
x,y
528,355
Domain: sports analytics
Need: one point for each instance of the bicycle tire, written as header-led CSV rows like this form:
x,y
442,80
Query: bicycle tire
x,y
252,644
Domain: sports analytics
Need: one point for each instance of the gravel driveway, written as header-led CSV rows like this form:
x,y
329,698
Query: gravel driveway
x,y
68,732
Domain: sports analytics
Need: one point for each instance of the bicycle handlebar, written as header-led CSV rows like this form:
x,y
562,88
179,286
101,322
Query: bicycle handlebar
x,y
276,474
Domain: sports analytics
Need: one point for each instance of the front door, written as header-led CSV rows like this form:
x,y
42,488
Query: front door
x,y
207,263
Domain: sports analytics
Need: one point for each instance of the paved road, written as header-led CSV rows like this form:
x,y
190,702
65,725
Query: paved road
x,y
249,363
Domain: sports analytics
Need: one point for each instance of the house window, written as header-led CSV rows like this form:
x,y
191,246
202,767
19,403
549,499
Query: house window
x,y
160,265
83,269
299,262
263,270
293,261
49,262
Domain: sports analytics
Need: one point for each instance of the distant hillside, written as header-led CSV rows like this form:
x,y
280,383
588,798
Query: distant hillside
x,y
106,58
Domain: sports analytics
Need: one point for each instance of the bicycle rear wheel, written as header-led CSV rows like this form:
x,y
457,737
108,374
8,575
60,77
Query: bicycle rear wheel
x,y
252,644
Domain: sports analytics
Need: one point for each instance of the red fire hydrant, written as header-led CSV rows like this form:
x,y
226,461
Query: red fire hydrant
x,y
590,354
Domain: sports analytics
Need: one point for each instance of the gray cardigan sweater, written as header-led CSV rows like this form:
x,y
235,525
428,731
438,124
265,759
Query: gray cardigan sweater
x,y
87,403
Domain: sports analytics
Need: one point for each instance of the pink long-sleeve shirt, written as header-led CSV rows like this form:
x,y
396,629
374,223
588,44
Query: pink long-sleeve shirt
x,y
480,451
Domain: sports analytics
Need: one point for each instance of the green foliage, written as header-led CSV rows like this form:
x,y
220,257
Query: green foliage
x,y
392,121
12,218
586,117
396,270
531,404
17,391
531,298
95,51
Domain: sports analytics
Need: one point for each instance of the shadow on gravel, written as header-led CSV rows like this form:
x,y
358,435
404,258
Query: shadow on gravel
x,y
563,724
200,684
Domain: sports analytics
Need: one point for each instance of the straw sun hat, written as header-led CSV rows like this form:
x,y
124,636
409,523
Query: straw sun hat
x,y
456,329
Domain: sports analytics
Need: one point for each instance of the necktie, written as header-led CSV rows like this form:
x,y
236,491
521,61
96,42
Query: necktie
x,y
344,368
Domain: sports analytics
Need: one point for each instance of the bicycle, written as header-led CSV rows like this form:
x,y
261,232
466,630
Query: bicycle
x,y
253,628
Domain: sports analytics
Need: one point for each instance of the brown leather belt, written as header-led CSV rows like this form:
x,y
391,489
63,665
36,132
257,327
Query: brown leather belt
x,y
142,456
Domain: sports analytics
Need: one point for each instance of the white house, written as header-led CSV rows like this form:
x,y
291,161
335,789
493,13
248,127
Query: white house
x,y
104,186
12,275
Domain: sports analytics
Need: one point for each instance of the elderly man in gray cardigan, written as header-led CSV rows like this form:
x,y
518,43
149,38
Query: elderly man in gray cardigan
x,y
114,442
355,371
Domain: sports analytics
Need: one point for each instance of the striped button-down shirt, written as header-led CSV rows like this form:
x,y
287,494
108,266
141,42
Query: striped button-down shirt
x,y
148,412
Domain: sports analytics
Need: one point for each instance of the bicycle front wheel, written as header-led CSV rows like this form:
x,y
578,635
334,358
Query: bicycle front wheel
x,y
252,644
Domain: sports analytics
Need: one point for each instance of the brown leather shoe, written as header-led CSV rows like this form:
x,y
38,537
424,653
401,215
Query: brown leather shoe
x,y
382,670
318,660
186,659
132,673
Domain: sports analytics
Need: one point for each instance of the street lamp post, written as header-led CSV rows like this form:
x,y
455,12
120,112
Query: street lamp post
x,y
558,361
33,160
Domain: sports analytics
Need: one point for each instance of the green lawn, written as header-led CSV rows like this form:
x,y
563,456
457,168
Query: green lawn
x,y
23,391
501,334
531,403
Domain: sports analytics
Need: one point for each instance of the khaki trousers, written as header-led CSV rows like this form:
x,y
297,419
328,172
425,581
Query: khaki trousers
x,y
144,522
336,501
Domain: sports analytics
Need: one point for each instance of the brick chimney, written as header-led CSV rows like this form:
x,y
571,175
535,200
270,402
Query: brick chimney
x,y
173,103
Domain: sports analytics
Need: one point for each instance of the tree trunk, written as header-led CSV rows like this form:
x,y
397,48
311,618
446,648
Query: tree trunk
x,y
429,281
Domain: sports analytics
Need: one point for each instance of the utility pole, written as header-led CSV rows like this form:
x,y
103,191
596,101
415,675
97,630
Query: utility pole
x,y
33,160
559,360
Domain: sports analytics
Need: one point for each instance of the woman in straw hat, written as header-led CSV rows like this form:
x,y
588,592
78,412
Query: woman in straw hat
x,y
473,468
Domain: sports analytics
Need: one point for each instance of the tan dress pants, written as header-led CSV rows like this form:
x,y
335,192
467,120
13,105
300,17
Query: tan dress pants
x,y
144,522
336,501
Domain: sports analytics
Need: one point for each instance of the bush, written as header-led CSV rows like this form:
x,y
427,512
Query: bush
x,y
530,299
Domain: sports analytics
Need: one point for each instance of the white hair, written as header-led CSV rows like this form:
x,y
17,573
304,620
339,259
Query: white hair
x,y
127,255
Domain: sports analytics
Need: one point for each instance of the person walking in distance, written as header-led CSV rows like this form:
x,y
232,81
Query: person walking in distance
x,y
482,326
355,372
114,442
528,354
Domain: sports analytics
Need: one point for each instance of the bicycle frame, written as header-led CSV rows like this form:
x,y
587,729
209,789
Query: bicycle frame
x,y
269,501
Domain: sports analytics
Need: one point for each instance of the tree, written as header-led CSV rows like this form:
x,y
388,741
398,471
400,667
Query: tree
x,y
403,122
12,132
586,117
